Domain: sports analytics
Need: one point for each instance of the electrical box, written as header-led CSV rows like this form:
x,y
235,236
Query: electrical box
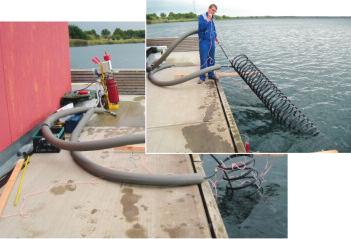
x,y
106,67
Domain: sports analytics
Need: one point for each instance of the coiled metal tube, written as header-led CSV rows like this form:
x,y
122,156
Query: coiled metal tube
x,y
281,108
239,173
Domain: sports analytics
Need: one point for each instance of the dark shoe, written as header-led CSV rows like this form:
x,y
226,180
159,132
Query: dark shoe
x,y
200,81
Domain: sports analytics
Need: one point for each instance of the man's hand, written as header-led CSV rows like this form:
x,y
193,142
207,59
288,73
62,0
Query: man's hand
x,y
209,16
216,39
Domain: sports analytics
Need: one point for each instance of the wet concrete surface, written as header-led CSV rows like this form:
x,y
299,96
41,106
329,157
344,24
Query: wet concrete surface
x,y
186,118
129,114
60,199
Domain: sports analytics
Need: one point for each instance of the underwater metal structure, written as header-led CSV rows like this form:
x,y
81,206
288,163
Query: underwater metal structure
x,y
239,171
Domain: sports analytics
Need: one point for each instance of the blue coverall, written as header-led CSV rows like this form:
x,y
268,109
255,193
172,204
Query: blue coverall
x,y
207,37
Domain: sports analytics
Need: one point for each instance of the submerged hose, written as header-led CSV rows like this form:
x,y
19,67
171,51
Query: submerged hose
x,y
103,172
156,65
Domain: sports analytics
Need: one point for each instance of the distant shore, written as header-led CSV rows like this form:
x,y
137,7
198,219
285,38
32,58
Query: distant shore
x,y
165,20
175,20
82,42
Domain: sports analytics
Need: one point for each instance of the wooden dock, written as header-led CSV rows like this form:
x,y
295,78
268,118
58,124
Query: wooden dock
x,y
188,118
59,199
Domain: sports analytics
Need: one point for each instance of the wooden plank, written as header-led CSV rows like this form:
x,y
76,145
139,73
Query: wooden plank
x,y
216,221
9,185
238,143
332,151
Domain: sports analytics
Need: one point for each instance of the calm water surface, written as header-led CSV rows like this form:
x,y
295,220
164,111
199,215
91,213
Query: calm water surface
x,y
260,215
124,56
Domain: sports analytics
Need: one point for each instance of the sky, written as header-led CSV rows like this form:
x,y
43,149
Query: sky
x,y
255,7
98,26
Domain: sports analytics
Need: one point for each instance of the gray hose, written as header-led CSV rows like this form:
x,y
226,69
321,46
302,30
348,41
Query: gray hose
x,y
155,66
87,145
182,79
164,56
107,173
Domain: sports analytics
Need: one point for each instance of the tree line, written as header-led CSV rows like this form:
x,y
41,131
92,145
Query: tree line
x,y
178,16
118,34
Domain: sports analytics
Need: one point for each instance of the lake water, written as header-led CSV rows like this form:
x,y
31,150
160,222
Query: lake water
x,y
308,59
260,215
124,56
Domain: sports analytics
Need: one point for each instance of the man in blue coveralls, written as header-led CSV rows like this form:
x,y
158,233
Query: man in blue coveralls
x,y
207,39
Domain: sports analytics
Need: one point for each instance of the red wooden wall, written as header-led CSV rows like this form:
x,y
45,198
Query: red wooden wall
x,y
34,74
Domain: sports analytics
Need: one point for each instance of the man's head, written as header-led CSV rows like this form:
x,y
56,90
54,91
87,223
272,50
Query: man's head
x,y
212,9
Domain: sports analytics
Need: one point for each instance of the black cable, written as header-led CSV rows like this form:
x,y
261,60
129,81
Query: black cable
x,y
5,178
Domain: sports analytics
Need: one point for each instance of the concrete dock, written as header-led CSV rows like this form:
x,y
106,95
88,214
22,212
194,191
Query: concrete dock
x,y
59,199
189,117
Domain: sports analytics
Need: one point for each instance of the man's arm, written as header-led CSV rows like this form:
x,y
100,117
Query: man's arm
x,y
203,23
215,32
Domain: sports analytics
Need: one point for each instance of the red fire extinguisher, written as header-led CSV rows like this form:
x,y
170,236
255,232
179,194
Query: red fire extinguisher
x,y
112,90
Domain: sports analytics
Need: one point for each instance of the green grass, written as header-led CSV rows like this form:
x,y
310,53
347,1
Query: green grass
x,y
81,42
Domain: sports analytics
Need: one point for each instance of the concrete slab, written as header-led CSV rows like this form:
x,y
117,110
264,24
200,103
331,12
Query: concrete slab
x,y
190,58
197,137
186,118
131,113
59,199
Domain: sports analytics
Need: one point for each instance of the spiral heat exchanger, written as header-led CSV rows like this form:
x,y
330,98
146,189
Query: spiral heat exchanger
x,y
282,109
239,171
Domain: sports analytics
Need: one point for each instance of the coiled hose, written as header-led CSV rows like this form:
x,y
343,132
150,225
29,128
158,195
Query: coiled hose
x,y
106,173
239,173
156,65
281,108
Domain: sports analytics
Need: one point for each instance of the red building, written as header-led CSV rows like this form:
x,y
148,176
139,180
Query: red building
x,y
34,74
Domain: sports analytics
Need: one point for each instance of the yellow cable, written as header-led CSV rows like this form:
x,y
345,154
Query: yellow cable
x,y
18,194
